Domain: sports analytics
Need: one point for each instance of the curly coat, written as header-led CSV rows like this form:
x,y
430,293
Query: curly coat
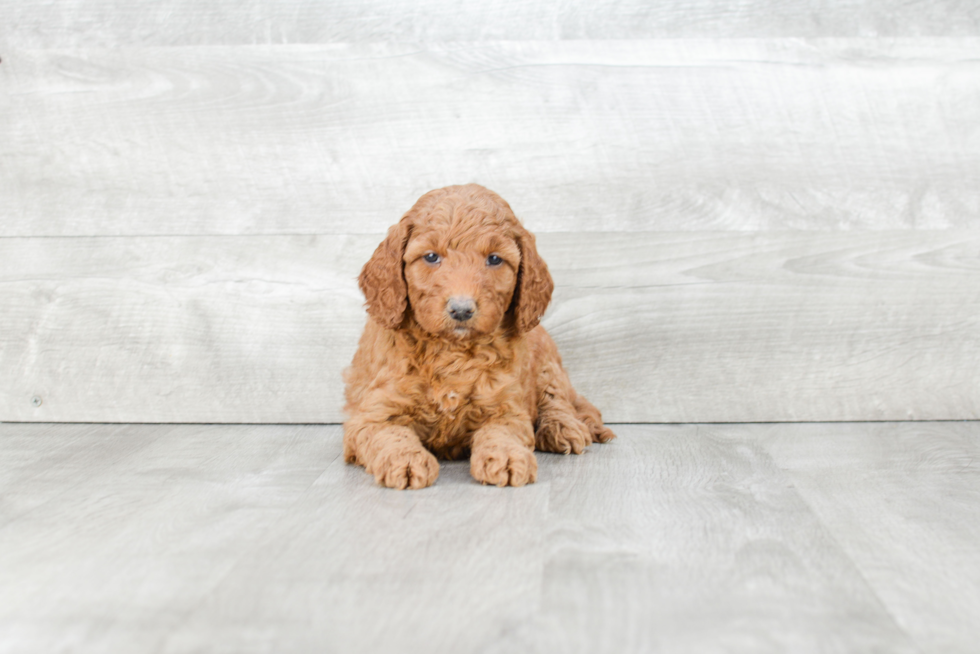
x,y
452,362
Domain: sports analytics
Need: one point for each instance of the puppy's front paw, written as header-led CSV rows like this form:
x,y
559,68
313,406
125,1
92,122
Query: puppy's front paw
x,y
403,466
501,464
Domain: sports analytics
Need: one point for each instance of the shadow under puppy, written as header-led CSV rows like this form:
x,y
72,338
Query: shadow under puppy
x,y
452,361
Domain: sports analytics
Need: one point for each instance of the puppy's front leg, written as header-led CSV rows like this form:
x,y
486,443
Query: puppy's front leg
x,y
503,453
392,453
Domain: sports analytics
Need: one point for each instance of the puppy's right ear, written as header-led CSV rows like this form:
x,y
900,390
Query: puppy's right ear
x,y
382,279
534,284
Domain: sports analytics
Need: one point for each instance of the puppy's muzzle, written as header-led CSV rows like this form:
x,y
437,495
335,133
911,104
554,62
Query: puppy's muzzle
x,y
461,309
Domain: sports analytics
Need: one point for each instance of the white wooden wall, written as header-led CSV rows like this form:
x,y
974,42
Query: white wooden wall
x,y
754,211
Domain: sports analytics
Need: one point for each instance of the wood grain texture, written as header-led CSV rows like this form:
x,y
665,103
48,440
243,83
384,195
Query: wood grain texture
x,y
254,539
140,528
784,327
672,540
902,502
204,329
684,134
751,538
58,23
667,327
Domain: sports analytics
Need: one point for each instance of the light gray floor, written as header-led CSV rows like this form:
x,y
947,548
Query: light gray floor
x,y
694,538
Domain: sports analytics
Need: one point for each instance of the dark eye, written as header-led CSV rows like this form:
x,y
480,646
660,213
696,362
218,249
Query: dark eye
x,y
494,260
431,257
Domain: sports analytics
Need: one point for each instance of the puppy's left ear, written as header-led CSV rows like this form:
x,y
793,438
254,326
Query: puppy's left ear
x,y
382,279
534,285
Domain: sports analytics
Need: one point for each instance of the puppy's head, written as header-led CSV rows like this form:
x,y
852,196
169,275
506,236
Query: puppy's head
x,y
461,264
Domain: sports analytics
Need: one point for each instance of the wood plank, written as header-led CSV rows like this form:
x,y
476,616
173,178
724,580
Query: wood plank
x,y
43,461
358,568
902,500
668,327
124,551
260,539
54,23
202,329
682,135
774,327
672,540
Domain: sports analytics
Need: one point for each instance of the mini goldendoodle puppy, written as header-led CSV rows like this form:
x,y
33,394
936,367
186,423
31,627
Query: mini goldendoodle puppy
x,y
452,361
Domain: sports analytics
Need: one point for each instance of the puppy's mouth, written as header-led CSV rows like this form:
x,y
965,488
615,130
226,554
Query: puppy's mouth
x,y
463,329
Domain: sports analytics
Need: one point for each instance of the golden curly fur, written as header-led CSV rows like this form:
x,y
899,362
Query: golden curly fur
x,y
452,361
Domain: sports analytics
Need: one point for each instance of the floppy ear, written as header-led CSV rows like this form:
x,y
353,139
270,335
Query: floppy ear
x,y
382,280
534,285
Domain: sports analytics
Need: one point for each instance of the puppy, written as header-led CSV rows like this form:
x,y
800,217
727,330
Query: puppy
x,y
452,362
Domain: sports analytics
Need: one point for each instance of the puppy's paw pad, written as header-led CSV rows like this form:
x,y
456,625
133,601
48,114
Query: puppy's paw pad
x,y
403,468
504,466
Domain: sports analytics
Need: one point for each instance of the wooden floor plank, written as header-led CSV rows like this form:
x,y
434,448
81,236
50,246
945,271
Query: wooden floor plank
x,y
754,538
44,461
673,541
903,501
666,327
358,568
124,552
168,552
675,134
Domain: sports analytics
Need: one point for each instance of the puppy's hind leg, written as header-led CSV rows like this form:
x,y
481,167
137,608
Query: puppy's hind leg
x,y
587,413
566,421
558,428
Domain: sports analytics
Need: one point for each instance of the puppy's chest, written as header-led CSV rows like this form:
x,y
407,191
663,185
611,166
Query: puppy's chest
x,y
456,395
447,398
446,402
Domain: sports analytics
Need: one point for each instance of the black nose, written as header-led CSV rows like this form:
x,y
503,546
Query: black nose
x,y
461,309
